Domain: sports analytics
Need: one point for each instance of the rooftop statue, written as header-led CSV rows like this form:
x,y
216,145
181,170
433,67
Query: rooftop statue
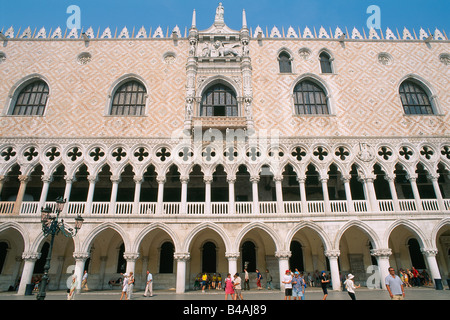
x,y
219,13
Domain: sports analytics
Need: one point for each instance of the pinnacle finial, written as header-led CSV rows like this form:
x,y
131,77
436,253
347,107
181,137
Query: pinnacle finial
x,y
244,19
194,22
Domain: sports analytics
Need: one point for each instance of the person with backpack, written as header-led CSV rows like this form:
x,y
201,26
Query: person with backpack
x,y
258,279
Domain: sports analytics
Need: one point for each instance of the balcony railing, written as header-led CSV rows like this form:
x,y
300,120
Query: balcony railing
x,y
97,209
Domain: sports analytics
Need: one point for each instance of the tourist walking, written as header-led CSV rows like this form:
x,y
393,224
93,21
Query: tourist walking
x,y
84,281
73,288
246,280
258,279
149,285
204,281
229,290
297,286
237,287
287,280
325,283
269,278
124,287
394,285
130,285
350,286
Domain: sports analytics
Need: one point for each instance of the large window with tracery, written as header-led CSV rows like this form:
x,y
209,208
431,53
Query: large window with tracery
x,y
129,99
31,100
414,98
310,98
219,100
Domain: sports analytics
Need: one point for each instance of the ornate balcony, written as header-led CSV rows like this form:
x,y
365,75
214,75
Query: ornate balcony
x,y
222,209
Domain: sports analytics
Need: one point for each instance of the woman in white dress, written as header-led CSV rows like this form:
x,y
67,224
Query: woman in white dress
x,y
124,287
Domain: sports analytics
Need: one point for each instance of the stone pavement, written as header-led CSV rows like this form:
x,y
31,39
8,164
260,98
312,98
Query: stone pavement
x,y
421,293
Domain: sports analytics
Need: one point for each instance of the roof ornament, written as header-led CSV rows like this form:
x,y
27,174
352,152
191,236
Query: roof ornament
x,y
220,11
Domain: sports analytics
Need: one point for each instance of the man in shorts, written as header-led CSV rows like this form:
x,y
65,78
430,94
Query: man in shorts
x,y
325,283
394,285
237,287
297,288
287,280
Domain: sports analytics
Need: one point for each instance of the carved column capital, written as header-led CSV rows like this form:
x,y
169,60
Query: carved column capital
x,y
182,256
283,254
429,252
131,256
332,253
383,253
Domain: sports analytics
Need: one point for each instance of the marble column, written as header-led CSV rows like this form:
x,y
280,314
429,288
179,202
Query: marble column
x,y
181,259
326,196
184,183
391,180
430,255
44,192
231,197
137,193
131,258
333,256
30,259
255,180
23,186
382,256
115,187
279,193
283,264
67,191
372,198
3,179
80,260
434,180
232,262
301,184
208,180
90,197
412,179
160,202
348,193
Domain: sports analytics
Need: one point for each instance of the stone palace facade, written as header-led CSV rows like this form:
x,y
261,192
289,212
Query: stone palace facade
x,y
214,150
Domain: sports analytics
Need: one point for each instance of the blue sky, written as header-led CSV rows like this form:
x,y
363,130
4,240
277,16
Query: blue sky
x,y
266,13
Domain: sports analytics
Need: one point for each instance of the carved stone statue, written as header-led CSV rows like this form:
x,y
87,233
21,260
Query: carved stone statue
x,y
220,11
226,50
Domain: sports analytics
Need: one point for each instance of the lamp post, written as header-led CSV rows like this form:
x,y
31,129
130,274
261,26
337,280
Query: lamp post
x,y
52,226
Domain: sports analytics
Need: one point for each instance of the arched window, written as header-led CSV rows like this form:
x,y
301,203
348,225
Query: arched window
x,y
40,263
310,98
209,258
219,100
121,262
31,100
416,255
414,98
296,259
284,60
129,99
325,63
166,258
3,252
249,256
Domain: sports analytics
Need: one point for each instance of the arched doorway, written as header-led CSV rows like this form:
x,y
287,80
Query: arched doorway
x,y
417,260
209,258
296,259
166,258
249,256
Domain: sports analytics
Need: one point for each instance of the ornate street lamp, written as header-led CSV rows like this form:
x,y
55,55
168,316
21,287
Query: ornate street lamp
x,y
52,226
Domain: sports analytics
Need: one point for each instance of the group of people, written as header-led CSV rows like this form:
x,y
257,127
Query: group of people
x,y
129,282
126,281
215,281
414,278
